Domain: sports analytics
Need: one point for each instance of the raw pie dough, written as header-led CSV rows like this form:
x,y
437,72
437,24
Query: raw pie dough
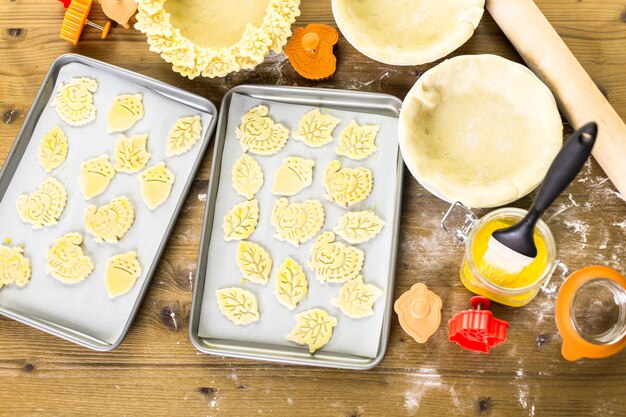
x,y
14,266
479,129
131,154
254,262
125,111
95,176
333,261
410,32
297,222
293,175
66,260
44,206
241,220
356,299
110,222
313,328
357,142
183,135
358,226
316,129
238,305
291,284
347,186
121,273
74,101
259,134
156,185
52,149
247,176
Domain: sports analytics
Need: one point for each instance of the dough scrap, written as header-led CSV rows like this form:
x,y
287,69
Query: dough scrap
x,y
356,299
110,222
184,134
297,222
247,176
315,128
358,226
44,206
121,273
347,186
66,261
14,266
74,101
254,262
313,328
131,154
125,111
357,142
293,175
95,176
241,220
52,149
291,284
333,261
259,134
238,305
156,185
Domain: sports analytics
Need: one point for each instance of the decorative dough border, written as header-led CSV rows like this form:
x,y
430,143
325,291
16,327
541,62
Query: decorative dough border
x,y
191,60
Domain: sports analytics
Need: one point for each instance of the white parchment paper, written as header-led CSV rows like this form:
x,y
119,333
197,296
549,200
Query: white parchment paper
x,y
351,336
85,307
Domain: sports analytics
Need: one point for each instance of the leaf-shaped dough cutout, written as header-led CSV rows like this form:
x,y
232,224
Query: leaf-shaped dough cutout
x,y
259,134
74,101
44,206
95,176
247,176
297,222
293,175
131,154
241,220
110,222
66,261
14,266
291,284
313,328
156,185
356,299
125,111
238,305
333,261
183,135
52,149
347,186
121,273
254,262
357,142
316,129
358,226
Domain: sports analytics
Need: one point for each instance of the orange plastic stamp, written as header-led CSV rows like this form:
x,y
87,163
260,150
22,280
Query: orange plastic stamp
x,y
419,312
120,11
477,329
75,20
310,51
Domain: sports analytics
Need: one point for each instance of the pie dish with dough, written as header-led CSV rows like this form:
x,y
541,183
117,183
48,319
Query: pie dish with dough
x,y
410,32
479,129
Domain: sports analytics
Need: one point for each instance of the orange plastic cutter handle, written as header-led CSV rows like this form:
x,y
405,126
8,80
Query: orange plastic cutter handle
x,y
75,19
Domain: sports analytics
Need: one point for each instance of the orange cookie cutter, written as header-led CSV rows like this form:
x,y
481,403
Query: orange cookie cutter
x,y
120,11
75,20
310,51
419,312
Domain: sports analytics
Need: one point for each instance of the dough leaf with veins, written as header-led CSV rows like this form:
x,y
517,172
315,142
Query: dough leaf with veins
x,y
356,299
357,142
110,222
358,226
333,261
254,262
95,176
259,134
14,266
131,154
347,186
125,111
52,149
121,273
238,305
291,284
184,134
156,185
241,220
297,222
313,328
293,175
44,206
247,176
74,101
315,128
66,261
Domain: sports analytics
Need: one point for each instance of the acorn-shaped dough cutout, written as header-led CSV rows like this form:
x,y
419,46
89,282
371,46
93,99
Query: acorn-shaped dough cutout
x,y
110,222
95,176
66,260
293,176
121,273
156,185
125,111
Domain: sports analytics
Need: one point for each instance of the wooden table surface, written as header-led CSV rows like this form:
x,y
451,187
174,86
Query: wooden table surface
x,y
157,371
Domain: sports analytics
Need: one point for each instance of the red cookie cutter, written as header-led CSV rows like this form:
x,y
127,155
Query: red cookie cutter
x,y
477,329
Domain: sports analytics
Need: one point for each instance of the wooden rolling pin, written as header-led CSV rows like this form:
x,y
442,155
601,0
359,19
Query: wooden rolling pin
x,y
578,97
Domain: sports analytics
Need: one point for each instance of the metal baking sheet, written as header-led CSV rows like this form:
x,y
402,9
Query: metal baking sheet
x,y
356,344
83,313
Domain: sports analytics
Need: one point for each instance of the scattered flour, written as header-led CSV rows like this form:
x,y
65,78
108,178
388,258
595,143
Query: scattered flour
x,y
202,197
579,227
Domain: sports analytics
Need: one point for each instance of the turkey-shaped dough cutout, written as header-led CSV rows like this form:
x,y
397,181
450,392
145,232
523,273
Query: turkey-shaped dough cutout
x,y
356,299
293,175
333,261
131,154
44,206
183,135
66,261
291,284
247,176
74,101
156,185
313,328
297,222
125,111
95,176
52,149
241,220
238,305
110,222
254,262
14,267
121,273
358,226
347,186
259,134
316,129
357,142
